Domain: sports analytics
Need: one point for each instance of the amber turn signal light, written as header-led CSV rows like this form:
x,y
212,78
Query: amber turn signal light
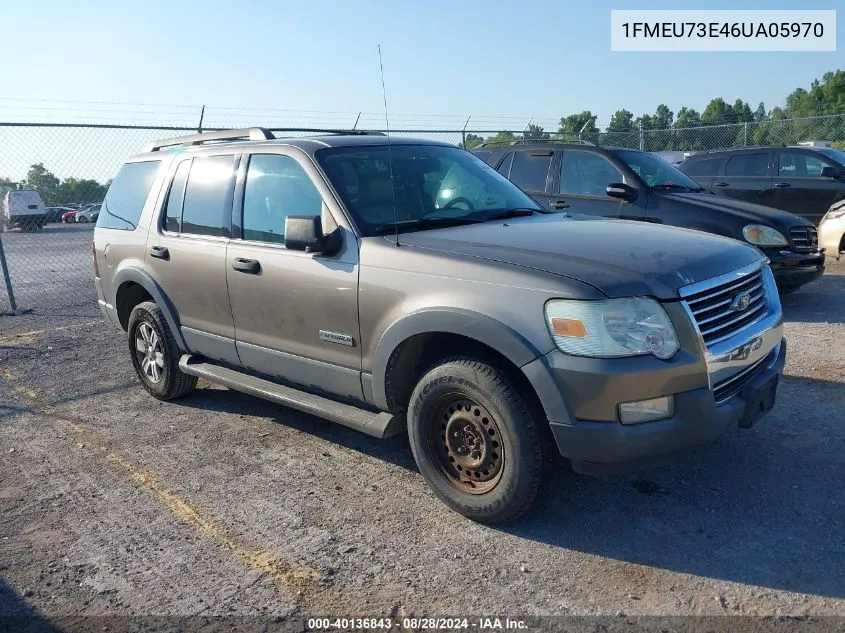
x,y
569,327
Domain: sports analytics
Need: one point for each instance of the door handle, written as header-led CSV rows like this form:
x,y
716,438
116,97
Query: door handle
x,y
781,185
250,266
559,204
720,184
159,252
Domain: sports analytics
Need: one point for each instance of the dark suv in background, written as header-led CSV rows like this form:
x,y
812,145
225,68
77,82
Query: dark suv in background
x,y
633,185
805,181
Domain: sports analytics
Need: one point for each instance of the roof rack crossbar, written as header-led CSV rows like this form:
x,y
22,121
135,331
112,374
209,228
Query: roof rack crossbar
x,y
251,134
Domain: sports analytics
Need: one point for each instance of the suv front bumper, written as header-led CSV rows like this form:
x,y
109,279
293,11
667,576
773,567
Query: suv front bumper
x,y
697,420
793,269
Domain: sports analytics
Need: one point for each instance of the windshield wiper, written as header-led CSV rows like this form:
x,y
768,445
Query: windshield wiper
x,y
422,223
507,214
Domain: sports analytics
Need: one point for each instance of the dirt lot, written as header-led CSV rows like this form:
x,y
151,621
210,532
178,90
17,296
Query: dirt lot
x,y
112,503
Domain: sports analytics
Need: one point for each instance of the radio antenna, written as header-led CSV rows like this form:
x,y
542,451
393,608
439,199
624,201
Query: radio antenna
x,y
389,152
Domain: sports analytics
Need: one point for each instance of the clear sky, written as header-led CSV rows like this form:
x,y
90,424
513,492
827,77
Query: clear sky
x,y
316,62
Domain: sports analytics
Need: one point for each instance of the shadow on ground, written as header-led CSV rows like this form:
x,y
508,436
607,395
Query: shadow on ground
x,y
759,506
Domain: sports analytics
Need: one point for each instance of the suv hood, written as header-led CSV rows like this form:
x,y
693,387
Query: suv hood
x,y
619,257
749,211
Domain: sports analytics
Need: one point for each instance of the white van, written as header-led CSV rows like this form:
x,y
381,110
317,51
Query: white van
x,y
23,208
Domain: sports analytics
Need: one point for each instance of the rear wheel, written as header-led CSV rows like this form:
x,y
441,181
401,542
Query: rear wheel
x,y
155,355
475,441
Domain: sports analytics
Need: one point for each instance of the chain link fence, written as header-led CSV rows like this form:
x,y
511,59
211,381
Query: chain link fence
x,y
45,258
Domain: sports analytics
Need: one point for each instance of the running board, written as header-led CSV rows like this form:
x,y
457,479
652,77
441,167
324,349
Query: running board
x,y
379,425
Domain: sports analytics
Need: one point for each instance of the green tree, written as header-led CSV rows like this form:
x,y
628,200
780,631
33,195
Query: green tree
x,y
760,112
663,117
76,190
574,124
621,121
45,182
472,140
535,133
502,137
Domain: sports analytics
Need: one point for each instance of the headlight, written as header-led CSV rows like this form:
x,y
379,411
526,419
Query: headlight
x,y
762,235
611,328
835,213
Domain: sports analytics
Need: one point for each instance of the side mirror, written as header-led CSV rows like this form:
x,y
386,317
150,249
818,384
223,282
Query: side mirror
x,y
305,233
622,191
830,172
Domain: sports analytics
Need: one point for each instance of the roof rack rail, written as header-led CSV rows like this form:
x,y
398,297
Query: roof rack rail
x,y
539,141
251,134
248,134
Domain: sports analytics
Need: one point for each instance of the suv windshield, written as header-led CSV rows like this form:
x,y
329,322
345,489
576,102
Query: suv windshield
x,y
656,172
432,185
835,154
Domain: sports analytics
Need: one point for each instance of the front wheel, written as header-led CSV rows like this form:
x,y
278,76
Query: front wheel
x,y
155,355
475,441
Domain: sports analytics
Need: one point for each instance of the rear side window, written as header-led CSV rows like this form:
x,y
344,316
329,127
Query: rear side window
x,y
505,167
207,207
127,194
705,168
748,165
173,213
529,171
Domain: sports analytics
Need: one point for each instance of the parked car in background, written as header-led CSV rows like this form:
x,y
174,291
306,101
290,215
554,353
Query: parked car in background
x,y
69,216
497,333
88,214
802,180
832,230
54,214
634,185
23,208
673,158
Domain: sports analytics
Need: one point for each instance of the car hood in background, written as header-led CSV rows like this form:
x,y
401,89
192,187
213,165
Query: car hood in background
x,y
621,258
750,211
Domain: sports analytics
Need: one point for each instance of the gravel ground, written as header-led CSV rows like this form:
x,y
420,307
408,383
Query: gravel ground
x,y
112,503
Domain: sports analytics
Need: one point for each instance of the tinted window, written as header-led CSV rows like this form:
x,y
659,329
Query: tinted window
x,y
706,168
505,167
127,194
529,171
751,165
800,165
173,214
586,174
276,187
208,196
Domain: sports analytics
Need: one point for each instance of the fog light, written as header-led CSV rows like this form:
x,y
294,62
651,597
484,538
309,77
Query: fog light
x,y
647,410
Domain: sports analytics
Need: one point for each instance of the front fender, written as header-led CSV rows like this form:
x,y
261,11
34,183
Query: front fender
x,y
474,325
138,276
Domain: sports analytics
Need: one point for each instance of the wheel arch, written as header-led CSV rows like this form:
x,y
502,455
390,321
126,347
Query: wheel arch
x,y
134,286
413,343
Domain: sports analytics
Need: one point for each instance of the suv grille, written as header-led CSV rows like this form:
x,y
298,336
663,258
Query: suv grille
x,y
723,310
804,238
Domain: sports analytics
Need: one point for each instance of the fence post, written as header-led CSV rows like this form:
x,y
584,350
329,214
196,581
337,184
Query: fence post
x,y
745,134
464,132
7,278
642,138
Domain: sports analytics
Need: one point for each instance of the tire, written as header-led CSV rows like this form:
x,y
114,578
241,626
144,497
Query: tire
x,y
467,423
160,377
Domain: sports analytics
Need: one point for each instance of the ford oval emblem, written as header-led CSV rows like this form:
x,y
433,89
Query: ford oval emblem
x,y
741,302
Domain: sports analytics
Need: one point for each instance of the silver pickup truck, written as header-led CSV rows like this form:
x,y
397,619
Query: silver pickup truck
x,y
396,284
